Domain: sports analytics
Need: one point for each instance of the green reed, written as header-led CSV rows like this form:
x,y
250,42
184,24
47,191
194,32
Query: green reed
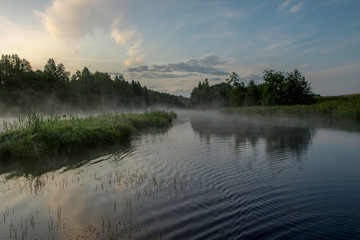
x,y
338,107
36,136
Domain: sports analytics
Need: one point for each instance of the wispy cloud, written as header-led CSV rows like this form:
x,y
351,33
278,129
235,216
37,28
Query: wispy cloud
x,y
337,2
132,40
135,54
289,7
284,5
352,68
122,37
297,7
331,81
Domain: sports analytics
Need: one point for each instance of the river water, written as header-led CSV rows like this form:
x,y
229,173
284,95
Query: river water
x,y
208,176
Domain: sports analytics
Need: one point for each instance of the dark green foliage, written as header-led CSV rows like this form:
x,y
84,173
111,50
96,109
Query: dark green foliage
x,y
152,119
35,136
285,88
338,107
253,94
24,89
278,88
206,96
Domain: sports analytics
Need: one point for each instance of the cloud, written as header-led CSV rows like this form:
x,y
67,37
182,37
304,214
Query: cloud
x,y
134,52
132,40
286,6
155,75
122,37
34,45
297,7
336,81
208,65
73,19
181,92
352,68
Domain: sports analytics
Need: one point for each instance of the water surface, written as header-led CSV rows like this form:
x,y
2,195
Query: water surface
x,y
207,177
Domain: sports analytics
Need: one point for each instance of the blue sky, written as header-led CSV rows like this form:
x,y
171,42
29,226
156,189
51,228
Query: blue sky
x,y
171,45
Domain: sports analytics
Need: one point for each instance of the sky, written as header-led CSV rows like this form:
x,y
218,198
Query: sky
x,y
170,45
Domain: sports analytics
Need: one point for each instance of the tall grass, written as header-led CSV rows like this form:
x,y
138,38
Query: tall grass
x,y
35,136
339,107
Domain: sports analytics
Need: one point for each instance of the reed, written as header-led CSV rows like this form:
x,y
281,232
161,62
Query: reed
x,y
347,107
36,136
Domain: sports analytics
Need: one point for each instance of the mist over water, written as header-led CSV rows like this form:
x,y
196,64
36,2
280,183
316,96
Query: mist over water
x,y
209,176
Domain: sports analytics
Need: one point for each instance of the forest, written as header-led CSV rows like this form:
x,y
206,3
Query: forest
x,y
277,88
53,89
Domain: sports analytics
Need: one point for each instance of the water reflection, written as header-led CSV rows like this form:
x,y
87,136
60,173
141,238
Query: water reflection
x,y
280,135
207,177
38,167
100,201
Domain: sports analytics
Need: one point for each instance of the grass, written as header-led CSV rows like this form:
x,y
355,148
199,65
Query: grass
x,y
347,106
35,137
119,215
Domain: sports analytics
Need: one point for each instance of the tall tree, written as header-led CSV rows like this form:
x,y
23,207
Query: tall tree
x,y
297,89
57,77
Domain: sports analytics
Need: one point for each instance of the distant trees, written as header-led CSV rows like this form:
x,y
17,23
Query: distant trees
x,y
15,76
23,88
285,88
56,76
208,96
278,88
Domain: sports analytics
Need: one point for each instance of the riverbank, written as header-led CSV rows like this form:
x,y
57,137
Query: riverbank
x,y
346,107
35,136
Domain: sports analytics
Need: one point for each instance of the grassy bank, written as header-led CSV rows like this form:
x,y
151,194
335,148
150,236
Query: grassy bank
x,y
35,136
347,106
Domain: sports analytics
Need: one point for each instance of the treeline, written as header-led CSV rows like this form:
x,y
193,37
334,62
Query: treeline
x,y
53,87
278,88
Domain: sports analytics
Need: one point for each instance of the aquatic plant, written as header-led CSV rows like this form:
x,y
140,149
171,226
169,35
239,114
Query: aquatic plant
x,y
36,136
338,107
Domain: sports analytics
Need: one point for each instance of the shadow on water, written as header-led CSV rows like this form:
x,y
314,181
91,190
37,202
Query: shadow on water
x,y
210,176
37,167
280,133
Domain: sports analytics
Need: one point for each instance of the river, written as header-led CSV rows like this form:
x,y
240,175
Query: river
x,y
208,176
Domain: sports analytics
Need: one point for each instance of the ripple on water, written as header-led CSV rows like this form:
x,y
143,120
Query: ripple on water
x,y
204,181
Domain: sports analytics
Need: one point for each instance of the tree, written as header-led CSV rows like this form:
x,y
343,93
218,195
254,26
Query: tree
x,y
234,79
273,92
12,70
238,91
253,95
297,89
285,88
56,76
14,78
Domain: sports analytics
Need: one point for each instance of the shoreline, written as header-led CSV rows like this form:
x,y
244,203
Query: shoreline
x,y
34,136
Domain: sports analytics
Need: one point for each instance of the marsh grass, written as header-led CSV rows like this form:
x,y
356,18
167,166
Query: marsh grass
x,y
347,107
129,190
36,136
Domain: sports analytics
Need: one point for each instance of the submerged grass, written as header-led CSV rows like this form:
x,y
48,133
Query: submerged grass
x,y
339,107
35,136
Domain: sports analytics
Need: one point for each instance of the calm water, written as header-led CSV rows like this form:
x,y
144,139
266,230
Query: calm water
x,y
207,177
